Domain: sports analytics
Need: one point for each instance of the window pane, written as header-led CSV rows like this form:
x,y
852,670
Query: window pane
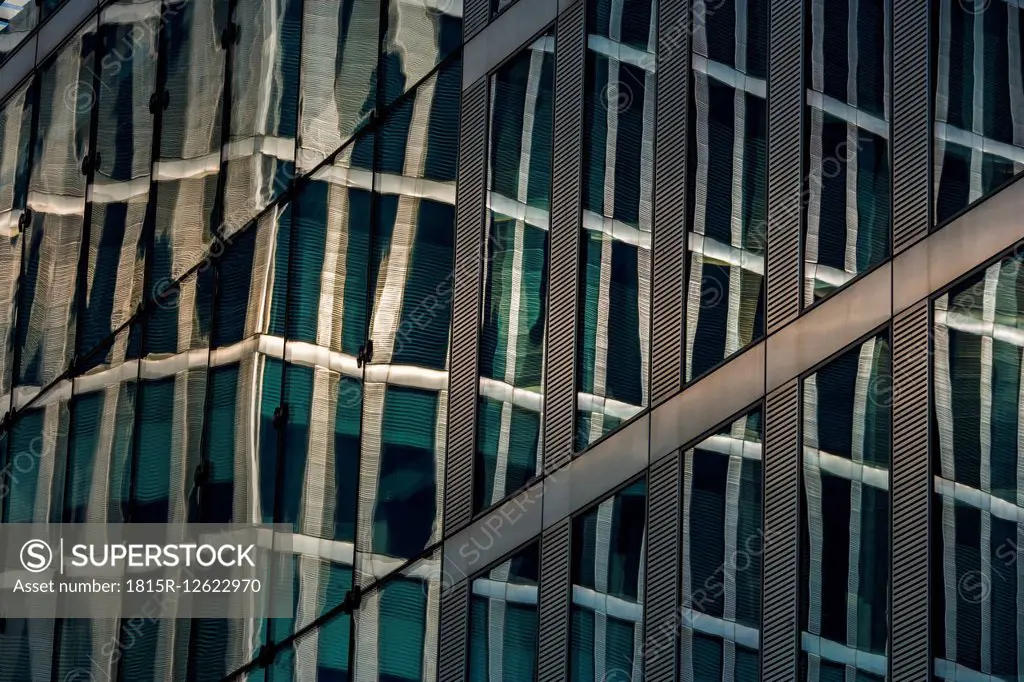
x,y
56,196
846,217
722,538
515,273
615,286
975,444
339,64
503,620
419,36
18,21
264,107
728,178
121,181
845,513
16,126
607,613
190,138
171,399
977,62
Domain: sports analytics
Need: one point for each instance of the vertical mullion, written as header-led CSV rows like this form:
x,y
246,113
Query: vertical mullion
x,y
670,197
661,597
911,122
785,185
554,603
559,374
470,228
780,628
911,495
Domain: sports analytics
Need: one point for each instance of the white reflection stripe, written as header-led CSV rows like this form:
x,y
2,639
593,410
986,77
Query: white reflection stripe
x,y
998,507
307,355
876,477
730,76
106,191
949,670
978,142
55,204
622,53
839,653
130,13
851,114
971,324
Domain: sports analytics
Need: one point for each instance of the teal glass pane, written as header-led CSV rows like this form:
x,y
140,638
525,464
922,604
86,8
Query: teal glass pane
x,y
606,637
727,190
615,286
503,620
722,548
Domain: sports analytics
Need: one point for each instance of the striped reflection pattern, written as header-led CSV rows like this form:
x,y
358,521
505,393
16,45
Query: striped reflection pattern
x,y
978,505
613,356
845,514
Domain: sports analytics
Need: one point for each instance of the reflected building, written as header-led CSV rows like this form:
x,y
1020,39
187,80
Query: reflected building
x,y
575,340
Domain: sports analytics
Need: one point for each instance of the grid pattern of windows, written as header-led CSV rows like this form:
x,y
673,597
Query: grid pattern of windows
x,y
845,515
226,295
846,220
183,342
727,221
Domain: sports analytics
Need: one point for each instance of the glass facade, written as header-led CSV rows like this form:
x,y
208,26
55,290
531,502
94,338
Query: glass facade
x,y
615,252
845,515
231,291
513,317
979,143
503,614
727,215
722,549
847,212
607,612
975,449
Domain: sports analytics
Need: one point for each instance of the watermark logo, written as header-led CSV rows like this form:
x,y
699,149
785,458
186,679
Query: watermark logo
x,y
36,556
974,587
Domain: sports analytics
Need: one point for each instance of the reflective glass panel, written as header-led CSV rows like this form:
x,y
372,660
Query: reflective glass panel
x,y
727,183
16,125
503,620
515,273
17,19
121,177
190,137
978,523
607,613
264,107
847,212
171,399
615,283
722,544
405,401
419,36
845,516
339,71
56,197
397,626
977,61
